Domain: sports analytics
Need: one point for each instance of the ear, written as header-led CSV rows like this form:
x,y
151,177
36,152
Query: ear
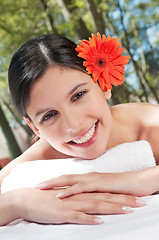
x,y
32,126
108,94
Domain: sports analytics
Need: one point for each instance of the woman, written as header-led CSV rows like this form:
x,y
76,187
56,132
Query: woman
x,y
67,110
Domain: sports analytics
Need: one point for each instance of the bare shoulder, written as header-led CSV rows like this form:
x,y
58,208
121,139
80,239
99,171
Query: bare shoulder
x,y
144,119
150,126
148,113
43,150
145,113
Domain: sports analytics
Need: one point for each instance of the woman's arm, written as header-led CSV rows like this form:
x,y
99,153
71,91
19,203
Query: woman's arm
x,y
39,150
8,211
44,207
137,183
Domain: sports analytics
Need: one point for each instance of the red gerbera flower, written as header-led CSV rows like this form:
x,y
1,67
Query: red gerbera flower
x,y
104,60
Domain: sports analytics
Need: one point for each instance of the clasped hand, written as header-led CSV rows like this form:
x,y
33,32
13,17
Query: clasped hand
x,y
94,193
84,196
45,207
132,183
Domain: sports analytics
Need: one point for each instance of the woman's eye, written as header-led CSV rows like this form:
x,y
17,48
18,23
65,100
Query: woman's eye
x,y
48,116
79,95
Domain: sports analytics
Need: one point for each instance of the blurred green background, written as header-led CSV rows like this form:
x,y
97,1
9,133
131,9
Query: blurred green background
x,y
134,22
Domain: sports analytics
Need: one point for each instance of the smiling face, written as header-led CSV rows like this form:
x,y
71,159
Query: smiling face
x,y
70,112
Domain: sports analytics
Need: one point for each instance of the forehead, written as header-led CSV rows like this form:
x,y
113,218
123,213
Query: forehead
x,y
55,84
59,79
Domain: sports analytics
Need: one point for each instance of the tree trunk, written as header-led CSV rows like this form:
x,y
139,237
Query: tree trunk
x,y
70,13
27,129
140,71
50,20
96,16
11,141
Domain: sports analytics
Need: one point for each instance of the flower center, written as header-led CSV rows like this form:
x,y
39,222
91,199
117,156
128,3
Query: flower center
x,y
101,62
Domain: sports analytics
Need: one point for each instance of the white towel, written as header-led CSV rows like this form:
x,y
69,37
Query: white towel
x,y
125,157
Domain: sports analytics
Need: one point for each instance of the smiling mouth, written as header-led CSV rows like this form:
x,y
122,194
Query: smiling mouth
x,y
85,138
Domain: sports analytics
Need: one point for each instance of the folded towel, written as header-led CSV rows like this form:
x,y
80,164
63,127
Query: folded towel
x,y
124,157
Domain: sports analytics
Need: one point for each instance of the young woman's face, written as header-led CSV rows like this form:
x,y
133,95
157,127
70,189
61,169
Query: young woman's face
x,y
70,112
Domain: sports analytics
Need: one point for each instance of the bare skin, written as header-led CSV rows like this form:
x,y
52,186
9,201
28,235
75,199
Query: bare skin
x,y
78,209
132,125
134,122
23,209
74,117
87,184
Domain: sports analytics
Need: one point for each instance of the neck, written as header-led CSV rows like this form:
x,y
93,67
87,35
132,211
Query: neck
x,y
115,133
120,130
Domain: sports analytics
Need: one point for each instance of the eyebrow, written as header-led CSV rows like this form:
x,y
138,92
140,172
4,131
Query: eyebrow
x,y
70,93
76,87
41,112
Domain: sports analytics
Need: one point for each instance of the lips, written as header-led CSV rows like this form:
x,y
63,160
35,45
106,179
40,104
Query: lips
x,y
86,137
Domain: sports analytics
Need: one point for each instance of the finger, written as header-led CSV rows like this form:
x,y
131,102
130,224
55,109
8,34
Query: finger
x,y
76,189
75,216
67,216
82,218
62,181
100,207
125,200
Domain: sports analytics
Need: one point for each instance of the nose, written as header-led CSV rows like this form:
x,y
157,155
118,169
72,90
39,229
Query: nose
x,y
72,120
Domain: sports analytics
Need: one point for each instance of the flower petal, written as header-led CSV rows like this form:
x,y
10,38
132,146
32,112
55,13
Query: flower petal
x,y
101,83
116,74
115,81
106,77
120,69
95,75
121,60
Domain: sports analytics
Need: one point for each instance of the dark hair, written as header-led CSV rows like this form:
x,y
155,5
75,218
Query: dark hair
x,y
31,61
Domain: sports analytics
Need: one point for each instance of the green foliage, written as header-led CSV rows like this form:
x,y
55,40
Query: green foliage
x,y
132,21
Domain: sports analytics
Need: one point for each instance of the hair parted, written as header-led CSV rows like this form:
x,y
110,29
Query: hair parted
x,y
31,61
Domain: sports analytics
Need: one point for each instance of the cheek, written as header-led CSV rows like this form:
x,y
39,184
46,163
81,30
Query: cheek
x,y
99,107
53,135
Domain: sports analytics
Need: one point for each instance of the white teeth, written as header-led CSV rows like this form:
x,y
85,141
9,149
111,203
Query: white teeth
x,y
87,137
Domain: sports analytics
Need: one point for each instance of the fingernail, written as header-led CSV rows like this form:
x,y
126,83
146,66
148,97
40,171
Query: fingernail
x,y
60,194
40,185
127,209
140,201
98,220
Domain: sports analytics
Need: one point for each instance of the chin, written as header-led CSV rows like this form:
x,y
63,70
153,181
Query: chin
x,y
92,154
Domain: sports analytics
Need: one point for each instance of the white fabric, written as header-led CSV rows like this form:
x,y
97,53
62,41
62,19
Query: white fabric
x,y
125,157
142,224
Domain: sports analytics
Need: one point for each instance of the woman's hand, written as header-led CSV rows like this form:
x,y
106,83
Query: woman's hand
x,y
113,202
137,183
44,207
